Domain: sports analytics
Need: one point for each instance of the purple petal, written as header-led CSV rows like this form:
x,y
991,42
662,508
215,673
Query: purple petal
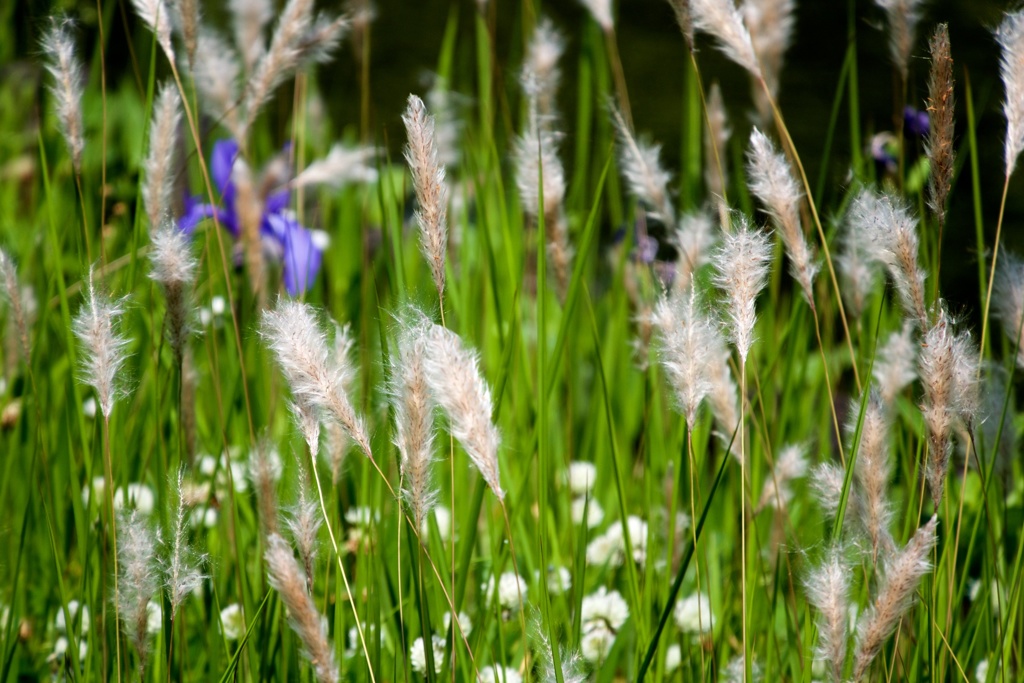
x,y
225,153
301,257
195,212
277,201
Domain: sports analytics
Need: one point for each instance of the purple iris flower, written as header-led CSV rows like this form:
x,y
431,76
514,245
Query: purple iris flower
x,y
283,236
915,122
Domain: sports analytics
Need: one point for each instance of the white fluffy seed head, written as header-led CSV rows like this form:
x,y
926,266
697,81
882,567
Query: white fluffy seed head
x,y
58,44
413,406
316,376
770,23
688,341
539,170
716,141
139,578
428,177
741,264
341,166
601,11
104,348
540,76
453,375
693,240
895,366
157,17
217,74
183,571
790,465
896,592
828,589
902,17
647,179
1008,297
773,183
721,19
1010,36
159,165
249,21
872,471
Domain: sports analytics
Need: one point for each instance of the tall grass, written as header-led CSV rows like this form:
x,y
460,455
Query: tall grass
x,y
463,390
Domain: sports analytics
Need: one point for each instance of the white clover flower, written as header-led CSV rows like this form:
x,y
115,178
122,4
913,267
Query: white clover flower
x,y
597,642
320,239
361,516
582,476
205,316
559,580
73,607
218,306
604,550
94,490
418,656
60,648
232,621
693,614
510,585
595,515
673,658
606,607
981,671
89,407
207,465
140,497
499,674
464,622
444,523
154,617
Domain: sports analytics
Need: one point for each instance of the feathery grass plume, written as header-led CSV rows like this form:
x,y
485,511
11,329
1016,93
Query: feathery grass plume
x,y
890,237
716,139
174,268
572,663
828,589
157,17
341,165
1009,301
772,182
303,522
183,571
431,190
216,75
647,179
335,449
265,471
58,44
286,578
601,11
949,374
692,239
940,130
688,339
540,76
308,422
299,39
873,469
827,481
11,292
249,19
139,580
790,465
724,396
902,17
895,365
741,264
414,425
858,270
453,375
902,573
684,19
1010,36
770,23
104,352
721,19
187,22
317,378
159,165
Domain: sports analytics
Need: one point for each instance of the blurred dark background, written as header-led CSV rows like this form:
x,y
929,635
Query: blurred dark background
x,y
407,36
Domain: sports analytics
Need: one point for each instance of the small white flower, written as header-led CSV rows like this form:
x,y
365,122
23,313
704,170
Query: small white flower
x,y
597,642
559,580
94,490
61,625
981,671
510,585
232,621
673,658
205,316
603,550
693,614
89,407
218,305
207,465
595,515
140,497
582,476
464,623
320,239
418,656
444,523
361,516
60,648
605,607
154,617
499,674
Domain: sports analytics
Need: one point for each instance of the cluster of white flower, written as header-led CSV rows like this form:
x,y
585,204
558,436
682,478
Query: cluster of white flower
x,y
360,520
559,579
232,621
510,587
139,496
79,615
214,314
418,655
610,548
693,614
603,614
499,674
444,523
581,479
